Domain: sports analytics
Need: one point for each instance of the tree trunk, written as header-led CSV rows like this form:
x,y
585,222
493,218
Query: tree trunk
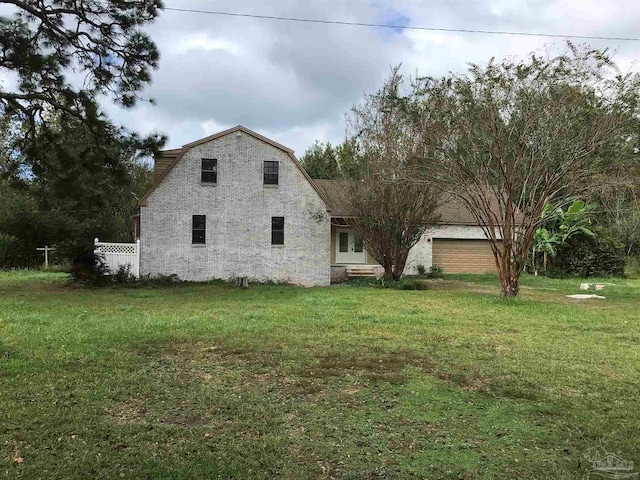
x,y
398,266
510,286
509,276
388,270
388,275
544,262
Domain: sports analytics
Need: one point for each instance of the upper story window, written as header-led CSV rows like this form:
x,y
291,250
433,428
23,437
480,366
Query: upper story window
x,y
277,230
270,171
209,170
199,229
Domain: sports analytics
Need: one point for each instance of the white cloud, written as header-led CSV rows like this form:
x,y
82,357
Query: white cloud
x,y
294,82
202,41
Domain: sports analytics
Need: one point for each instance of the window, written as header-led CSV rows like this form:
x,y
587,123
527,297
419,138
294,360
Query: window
x,y
270,171
358,243
344,242
209,170
277,230
198,229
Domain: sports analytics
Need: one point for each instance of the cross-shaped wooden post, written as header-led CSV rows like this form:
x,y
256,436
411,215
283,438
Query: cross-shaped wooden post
x,y
46,250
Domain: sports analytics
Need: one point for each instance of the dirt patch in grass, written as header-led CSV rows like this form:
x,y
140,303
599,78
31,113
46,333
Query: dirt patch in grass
x,y
394,367
352,390
199,352
128,412
135,411
478,384
186,420
210,361
241,368
7,351
272,373
373,366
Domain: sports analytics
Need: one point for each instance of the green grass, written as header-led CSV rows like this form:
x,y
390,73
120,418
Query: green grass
x,y
633,267
207,381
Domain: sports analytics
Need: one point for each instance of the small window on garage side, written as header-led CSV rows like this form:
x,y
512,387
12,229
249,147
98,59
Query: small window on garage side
x,y
270,171
277,230
199,229
209,172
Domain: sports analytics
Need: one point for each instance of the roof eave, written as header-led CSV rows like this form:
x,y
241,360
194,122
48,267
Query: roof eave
x,y
238,128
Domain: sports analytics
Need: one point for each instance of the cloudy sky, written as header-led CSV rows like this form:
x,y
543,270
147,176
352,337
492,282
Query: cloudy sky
x,y
294,81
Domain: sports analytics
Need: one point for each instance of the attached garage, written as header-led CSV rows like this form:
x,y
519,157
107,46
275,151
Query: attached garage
x,y
463,256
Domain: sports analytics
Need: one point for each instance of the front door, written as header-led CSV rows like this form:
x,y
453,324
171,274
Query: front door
x,y
349,247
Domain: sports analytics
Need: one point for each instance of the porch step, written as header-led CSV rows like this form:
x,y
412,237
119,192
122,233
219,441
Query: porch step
x,y
361,271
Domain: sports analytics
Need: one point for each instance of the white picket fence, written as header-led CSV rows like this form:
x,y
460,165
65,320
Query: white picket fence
x,y
117,254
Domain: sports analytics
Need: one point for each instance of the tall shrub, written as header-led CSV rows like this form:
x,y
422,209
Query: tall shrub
x,y
585,256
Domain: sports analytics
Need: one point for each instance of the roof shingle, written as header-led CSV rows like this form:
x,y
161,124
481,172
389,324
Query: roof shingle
x,y
452,211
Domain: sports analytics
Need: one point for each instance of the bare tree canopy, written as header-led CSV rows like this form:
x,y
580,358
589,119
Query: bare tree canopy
x,y
390,209
509,137
616,189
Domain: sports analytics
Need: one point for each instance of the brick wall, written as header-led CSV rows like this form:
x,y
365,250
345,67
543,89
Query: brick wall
x,y
238,213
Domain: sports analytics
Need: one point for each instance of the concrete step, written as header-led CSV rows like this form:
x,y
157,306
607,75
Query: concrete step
x,y
361,271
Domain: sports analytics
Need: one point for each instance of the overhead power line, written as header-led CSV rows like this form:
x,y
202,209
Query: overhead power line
x,y
399,27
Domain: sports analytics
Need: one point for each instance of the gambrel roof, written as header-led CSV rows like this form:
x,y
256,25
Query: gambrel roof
x,y
168,159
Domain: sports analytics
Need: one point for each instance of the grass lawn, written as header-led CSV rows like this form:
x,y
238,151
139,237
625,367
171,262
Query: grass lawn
x,y
341,382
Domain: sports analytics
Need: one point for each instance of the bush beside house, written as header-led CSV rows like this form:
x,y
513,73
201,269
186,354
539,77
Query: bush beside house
x,y
584,256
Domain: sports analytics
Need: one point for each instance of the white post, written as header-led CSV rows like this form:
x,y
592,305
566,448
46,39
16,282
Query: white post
x,y
46,251
137,272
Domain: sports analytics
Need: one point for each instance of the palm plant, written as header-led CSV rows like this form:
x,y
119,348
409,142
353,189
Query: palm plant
x,y
557,227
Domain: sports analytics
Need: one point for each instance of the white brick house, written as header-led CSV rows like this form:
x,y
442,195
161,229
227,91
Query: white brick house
x,y
239,204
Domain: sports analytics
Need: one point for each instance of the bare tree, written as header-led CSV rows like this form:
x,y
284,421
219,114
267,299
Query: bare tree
x,y
390,210
616,189
510,137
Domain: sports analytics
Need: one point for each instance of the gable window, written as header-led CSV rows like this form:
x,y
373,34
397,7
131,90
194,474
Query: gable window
x,y
209,170
270,171
277,230
199,229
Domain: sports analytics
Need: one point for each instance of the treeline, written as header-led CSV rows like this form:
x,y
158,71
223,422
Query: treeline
x,y
67,173
70,187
